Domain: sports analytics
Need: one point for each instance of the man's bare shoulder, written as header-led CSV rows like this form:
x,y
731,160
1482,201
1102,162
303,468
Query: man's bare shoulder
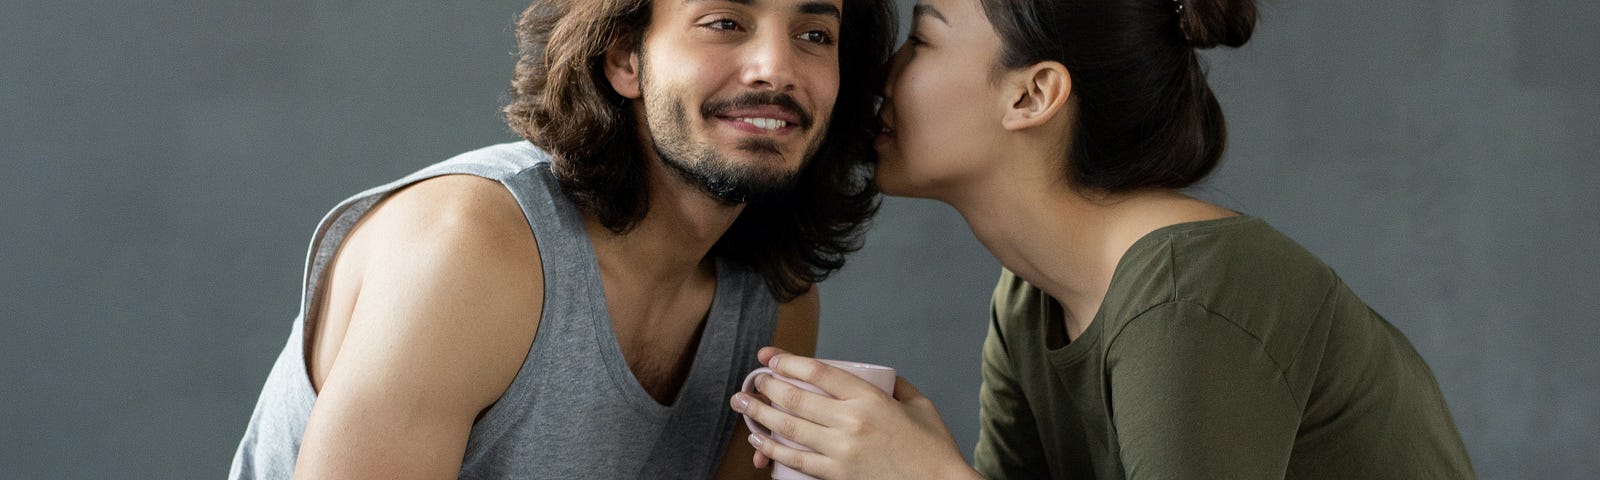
x,y
450,231
445,291
454,253
465,209
458,249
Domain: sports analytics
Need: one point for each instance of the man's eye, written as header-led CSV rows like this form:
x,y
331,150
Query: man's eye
x,y
818,37
722,24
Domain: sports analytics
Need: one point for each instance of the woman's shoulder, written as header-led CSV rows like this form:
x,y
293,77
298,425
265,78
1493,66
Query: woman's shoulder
x,y
1239,269
1019,309
1011,291
1245,264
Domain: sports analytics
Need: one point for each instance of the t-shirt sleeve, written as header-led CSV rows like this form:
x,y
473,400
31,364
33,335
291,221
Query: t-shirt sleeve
x,y
1008,440
1193,395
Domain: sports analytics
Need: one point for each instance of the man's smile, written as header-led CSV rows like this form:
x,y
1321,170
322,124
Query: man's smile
x,y
771,115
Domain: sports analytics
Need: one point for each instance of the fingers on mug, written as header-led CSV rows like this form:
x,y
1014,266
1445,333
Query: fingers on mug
x,y
878,375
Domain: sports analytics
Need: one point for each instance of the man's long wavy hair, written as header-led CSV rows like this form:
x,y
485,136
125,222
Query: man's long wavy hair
x,y
562,102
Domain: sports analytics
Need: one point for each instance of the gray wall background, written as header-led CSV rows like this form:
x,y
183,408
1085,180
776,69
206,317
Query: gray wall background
x,y
164,162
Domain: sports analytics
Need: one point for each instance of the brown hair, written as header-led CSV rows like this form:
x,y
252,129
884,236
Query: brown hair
x,y
1146,117
561,101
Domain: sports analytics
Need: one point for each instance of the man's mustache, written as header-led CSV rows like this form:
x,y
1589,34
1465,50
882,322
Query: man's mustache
x,y
757,99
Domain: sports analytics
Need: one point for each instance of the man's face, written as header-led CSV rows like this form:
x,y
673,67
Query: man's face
x,y
737,95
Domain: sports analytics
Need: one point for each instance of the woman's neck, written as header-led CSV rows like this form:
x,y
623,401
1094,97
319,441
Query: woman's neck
x,y
1065,242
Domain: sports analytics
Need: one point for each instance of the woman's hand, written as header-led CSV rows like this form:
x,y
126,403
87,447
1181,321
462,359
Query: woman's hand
x,y
860,433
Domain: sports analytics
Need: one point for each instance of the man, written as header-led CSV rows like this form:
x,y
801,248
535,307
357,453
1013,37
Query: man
x,y
582,304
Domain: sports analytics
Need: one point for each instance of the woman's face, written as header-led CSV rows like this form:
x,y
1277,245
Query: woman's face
x,y
943,107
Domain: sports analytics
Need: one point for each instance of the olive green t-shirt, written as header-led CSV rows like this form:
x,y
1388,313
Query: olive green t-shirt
x,y
1222,350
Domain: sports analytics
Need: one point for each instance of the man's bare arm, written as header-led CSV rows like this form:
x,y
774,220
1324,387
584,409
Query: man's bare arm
x,y
448,304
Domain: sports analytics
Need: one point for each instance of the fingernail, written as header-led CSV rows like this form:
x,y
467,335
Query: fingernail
x,y
740,402
755,441
772,363
761,381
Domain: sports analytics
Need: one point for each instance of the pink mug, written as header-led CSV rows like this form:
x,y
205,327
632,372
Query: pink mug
x,y
878,375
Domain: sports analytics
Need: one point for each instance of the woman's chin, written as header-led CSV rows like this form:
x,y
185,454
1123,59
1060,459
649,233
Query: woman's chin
x,y
891,180
885,177
891,174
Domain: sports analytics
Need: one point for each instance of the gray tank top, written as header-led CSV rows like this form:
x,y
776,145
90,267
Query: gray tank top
x,y
575,410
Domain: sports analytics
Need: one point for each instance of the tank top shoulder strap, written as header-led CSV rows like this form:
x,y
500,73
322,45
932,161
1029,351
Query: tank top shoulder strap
x,y
502,163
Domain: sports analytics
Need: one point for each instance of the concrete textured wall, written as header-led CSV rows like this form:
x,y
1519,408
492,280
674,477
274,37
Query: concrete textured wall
x,y
164,162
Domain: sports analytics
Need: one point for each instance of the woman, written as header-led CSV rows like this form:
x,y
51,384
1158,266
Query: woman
x,y
1136,332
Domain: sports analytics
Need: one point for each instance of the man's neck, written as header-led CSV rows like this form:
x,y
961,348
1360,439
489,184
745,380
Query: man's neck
x,y
669,246
659,284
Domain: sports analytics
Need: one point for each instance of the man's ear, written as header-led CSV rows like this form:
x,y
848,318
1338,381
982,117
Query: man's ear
x,y
622,68
1036,94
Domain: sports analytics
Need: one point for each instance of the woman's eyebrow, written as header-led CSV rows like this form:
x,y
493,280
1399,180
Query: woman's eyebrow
x,y
925,9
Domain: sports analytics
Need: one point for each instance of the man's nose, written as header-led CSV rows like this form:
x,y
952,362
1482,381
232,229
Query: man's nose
x,y
770,62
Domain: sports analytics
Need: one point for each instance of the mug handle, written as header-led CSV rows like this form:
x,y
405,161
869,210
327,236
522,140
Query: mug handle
x,y
749,387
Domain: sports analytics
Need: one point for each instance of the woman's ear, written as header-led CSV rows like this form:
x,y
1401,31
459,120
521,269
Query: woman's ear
x,y
1036,93
622,68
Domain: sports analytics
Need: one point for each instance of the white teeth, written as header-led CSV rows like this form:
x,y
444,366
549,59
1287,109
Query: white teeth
x,y
765,123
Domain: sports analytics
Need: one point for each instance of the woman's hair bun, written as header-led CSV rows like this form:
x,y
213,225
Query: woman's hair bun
x,y
1209,23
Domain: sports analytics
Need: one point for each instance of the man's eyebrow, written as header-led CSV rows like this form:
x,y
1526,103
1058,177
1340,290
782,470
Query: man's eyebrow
x,y
925,9
808,8
741,2
821,8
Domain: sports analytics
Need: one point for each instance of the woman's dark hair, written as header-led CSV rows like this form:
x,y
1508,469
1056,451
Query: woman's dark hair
x,y
562,102
1146,116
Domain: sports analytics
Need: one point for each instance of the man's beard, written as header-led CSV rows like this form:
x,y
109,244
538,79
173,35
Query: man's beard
x,y
699,163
